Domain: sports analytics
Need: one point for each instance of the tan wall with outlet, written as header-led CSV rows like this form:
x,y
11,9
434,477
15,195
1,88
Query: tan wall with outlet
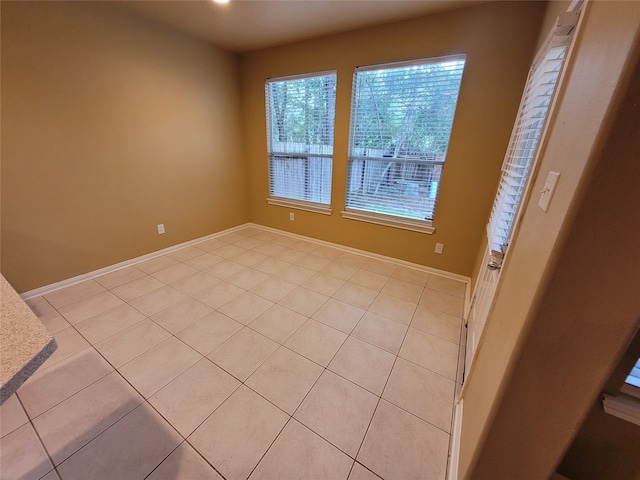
x,y
111,124
499,40
568,302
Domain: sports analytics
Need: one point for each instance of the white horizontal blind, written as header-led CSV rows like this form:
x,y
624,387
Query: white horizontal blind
x,y
634,376
525,139
300,129
401,120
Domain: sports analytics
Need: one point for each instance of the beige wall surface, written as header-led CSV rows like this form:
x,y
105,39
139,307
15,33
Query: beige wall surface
x,y
111,124
499,40
567,304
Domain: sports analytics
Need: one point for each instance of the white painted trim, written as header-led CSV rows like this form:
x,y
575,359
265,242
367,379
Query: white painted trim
x,y
454,448
435,271
309,207
622,406
118,266
390,221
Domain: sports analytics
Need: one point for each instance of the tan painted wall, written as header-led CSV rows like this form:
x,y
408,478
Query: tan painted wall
x,y
567,304
111,124
498,38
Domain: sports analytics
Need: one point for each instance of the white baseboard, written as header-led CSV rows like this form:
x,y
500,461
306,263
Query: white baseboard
x,y
102,271
454,448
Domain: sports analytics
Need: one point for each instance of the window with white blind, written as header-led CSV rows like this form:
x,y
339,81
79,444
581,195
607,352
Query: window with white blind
x,y
632,383
401,121
527,132
300,129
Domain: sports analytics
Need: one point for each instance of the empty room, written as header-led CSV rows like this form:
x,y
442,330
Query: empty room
x,y
317,239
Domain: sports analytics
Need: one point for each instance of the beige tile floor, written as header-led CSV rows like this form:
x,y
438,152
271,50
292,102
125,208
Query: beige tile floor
x,y
252,355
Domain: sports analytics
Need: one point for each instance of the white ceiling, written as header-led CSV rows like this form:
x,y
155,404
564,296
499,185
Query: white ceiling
x,y
245,25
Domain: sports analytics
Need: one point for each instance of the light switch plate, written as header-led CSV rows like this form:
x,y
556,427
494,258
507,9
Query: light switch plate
x,y
547,191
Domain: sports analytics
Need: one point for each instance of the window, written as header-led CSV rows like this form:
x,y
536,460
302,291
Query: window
x,y
632,383
401,120
300,125
528,130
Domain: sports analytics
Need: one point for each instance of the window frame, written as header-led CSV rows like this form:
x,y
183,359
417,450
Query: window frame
x,y
289,202
397,221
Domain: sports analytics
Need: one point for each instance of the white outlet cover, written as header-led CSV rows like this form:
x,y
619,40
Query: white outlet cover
x,y
439,247
160,228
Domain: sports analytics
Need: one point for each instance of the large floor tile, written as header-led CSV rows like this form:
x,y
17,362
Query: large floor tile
x,y
304,301
39,305
73,293
447,285
90,306
246,307
156,264
184,463
189,399
132,448
138,287
236,436
300,453
363,364
106,324
247,278
295,274
451,304
180,315
278,323
120,277
174,273
316,341
70,425
394,308
243,353
203,261
400,446
53,321
437,323
434,353
382,267
422,392
356,295
270,266
69,343
284,379
51,386
339,270
219,294
127,344
358,472
313,262
186,253
224,269
404,290
192,284
324,284
157,300
210,331
411,275
339,315
156,367
12,415
372,280
274,289
22,455
339,411
381,332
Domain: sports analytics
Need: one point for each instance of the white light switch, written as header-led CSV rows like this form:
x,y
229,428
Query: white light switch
x,y
547,191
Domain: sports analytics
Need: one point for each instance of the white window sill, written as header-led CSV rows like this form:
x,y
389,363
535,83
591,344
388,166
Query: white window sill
x,y
622,406
390,221
299,205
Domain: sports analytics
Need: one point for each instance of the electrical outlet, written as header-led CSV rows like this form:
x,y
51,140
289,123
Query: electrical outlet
x,y
439,247
291,216
160,228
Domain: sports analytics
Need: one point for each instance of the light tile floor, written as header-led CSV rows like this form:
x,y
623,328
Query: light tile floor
x,y
251,355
